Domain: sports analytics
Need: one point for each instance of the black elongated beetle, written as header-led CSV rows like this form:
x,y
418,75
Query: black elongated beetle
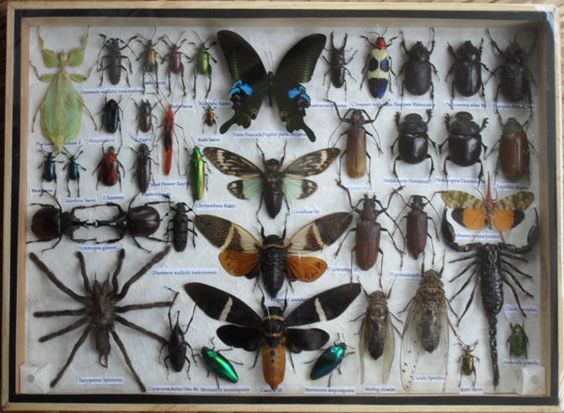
x,y
145,116
111,119
73,172
179,225
417,79
467,69
464,141
113,59
413,141
48,167
337,63
142,167
515,76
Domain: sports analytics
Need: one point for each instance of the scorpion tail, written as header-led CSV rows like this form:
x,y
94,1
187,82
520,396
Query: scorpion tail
x,y
492,320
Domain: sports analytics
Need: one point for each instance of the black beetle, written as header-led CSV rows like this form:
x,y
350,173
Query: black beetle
x,y
464,141
514,149
142,166
140,221
179,225
177,345
113,59
515,76
48,167
416,230
73,173
145,116
467,69
51,222
413,141
111,120
418,77
337,63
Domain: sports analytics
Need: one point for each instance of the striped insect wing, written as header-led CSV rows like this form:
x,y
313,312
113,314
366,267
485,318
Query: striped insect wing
x,y
217,363
328,361
324,306
320,233
222,306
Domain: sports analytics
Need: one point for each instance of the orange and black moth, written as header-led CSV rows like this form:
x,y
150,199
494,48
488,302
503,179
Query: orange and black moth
x,y
272,334
275,258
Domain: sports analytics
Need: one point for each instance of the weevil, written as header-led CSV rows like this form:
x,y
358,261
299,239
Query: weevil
x,y
467,68
174,60
418,78
464,141
515,76
378,66
337,63
113,59
61,108
413,140
109,168
149,58
355,150
368,230
73,172
202,61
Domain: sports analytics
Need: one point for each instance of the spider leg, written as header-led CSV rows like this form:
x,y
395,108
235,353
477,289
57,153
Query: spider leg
x,y
55,280
134,326
59,312
121,256
65,330
127,360
70,358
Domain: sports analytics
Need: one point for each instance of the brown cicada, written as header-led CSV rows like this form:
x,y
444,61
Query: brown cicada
x,y
426,328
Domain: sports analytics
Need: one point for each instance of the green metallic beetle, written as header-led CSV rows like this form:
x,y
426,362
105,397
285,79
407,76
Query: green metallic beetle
x,y
203,64
198,174
61,108
217,363
518,341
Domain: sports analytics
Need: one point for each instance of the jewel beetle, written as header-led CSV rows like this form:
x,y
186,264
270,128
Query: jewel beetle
x,y
467,68
355,151
198,173
378,66
109,168
218,364
514,73
518,341
413,140
464,141
418,68
73,169
329,360
272,334
514,149
368,230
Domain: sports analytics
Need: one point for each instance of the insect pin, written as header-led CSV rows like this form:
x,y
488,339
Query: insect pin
x,y
272,334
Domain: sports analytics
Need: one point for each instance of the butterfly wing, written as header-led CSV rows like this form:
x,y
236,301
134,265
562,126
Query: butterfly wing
x,y
297,67
508,212
310,164
232,164
249,75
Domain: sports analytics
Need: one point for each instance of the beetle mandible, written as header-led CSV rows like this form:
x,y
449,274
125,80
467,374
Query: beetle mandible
x,y
413,140
378,66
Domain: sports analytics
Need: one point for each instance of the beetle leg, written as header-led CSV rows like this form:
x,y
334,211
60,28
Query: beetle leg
x,y
182,79
343,240
209,81
432,164
364,70
75,348
452,95
394,168
432,98
481,174
195,78
445,173
370,166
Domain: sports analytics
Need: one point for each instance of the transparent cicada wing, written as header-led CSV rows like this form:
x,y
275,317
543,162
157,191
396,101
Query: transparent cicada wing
x,y
410,345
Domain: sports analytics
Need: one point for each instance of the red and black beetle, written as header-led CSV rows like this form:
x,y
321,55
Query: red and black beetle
x,y
108,168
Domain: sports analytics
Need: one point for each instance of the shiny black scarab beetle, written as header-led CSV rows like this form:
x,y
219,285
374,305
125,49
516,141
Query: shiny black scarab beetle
x,y
111,120
515,76
464,141
412,140
418,68
467,68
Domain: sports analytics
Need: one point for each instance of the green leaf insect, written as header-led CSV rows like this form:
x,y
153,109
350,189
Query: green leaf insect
x,y
61,108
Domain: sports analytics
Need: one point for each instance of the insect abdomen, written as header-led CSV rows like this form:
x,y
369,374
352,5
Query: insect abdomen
x,y
274,364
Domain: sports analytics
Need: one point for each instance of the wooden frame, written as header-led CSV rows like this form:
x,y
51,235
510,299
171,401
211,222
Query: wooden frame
x,y
14,299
